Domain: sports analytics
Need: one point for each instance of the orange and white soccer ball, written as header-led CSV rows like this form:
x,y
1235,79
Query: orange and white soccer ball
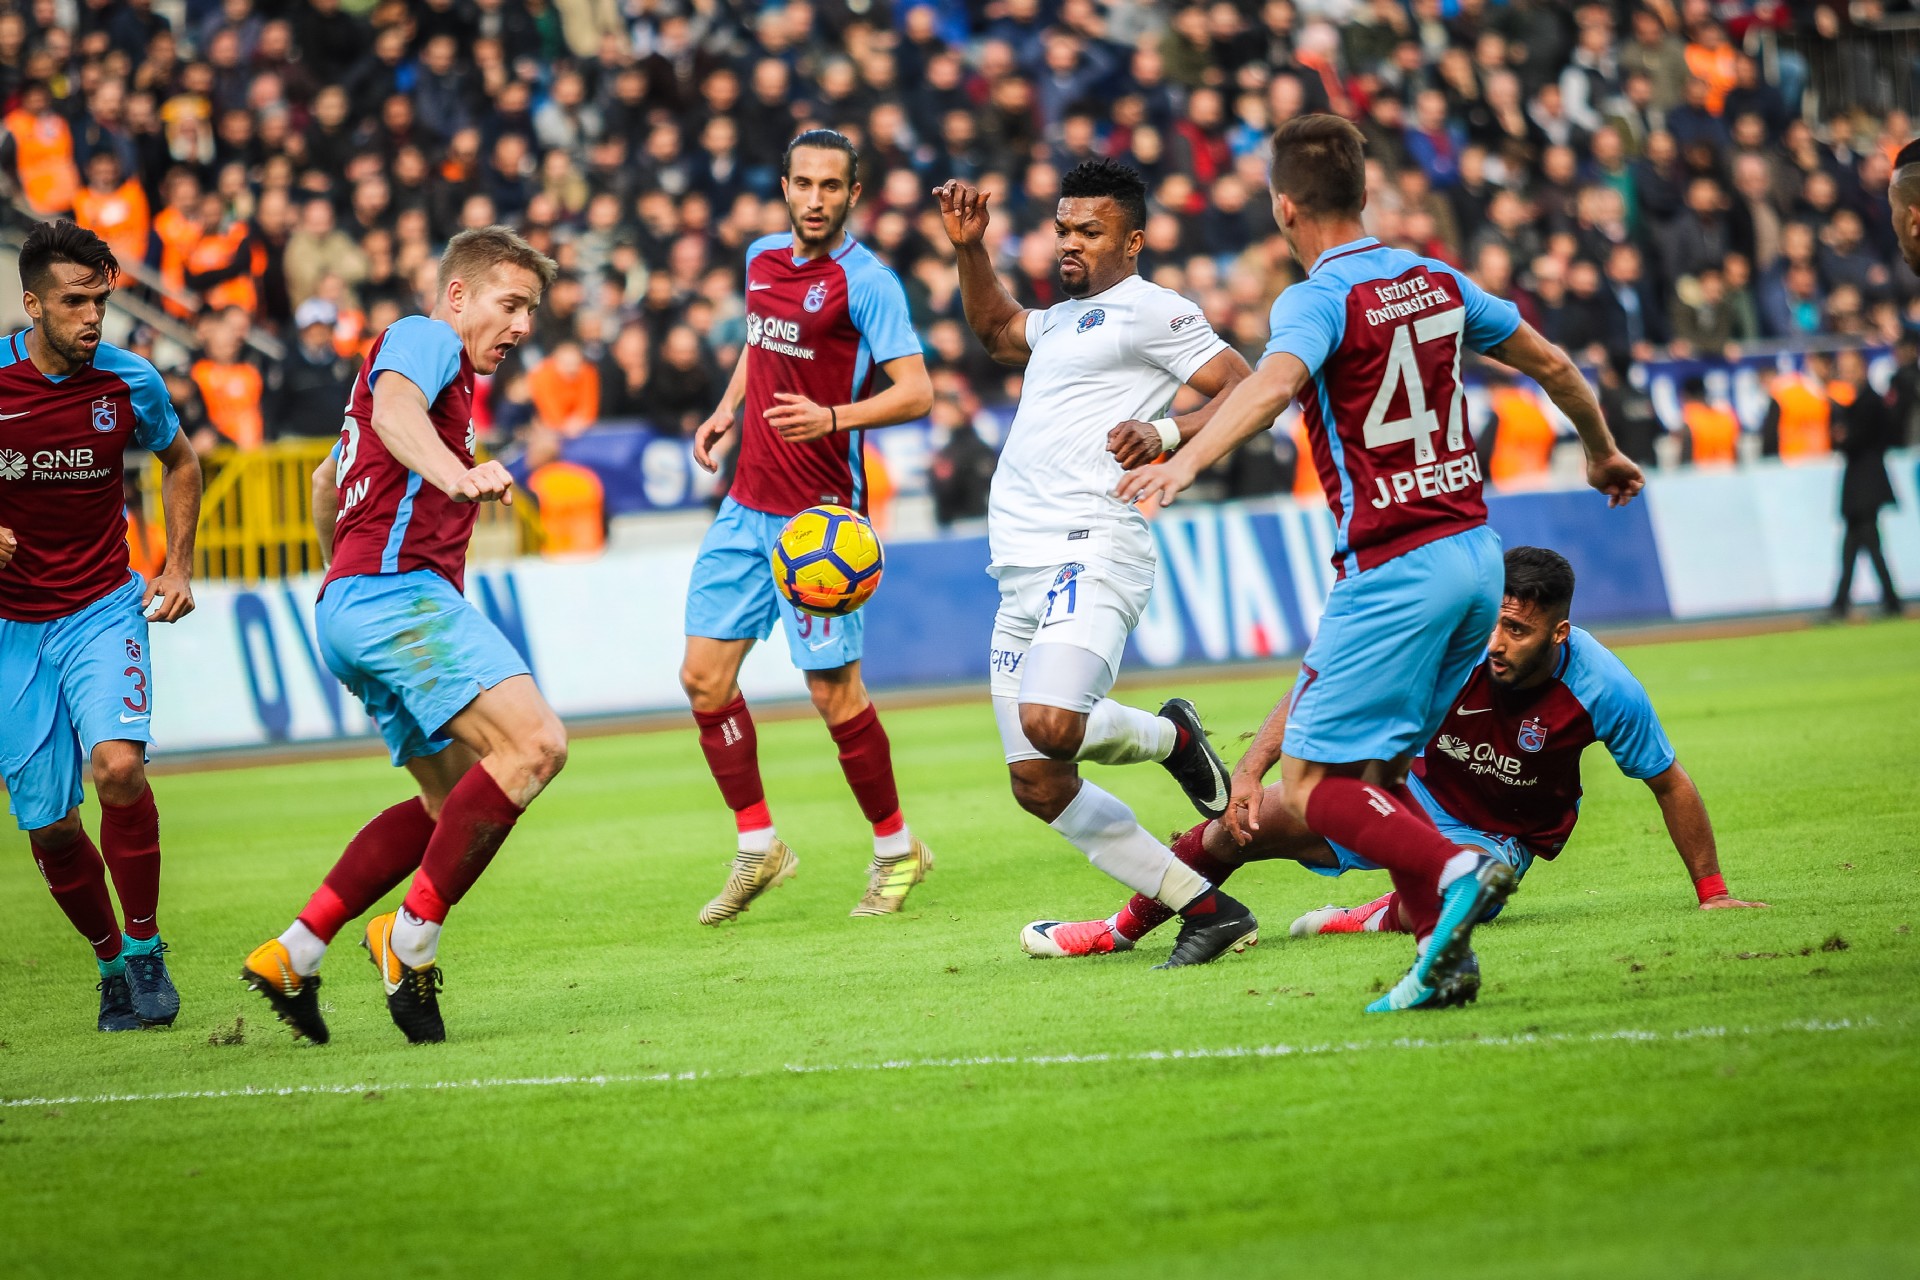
x,y
828,561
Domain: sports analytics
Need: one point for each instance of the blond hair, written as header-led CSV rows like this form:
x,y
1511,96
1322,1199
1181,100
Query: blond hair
x,y
477,252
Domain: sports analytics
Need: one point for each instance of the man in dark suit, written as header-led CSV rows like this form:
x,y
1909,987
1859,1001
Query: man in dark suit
x,y
1863,431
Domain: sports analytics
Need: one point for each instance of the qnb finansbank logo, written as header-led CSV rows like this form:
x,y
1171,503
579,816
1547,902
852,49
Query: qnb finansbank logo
x,y
13,464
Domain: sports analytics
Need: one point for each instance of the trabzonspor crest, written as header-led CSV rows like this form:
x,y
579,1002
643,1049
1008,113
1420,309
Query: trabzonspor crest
x,y
1532,735
105,416
816,296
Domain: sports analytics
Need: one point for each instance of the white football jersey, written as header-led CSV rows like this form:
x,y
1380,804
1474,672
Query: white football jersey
x,y
1097,362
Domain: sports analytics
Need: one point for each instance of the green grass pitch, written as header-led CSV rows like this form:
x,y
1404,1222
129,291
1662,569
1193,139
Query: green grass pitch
x,y
1644,1089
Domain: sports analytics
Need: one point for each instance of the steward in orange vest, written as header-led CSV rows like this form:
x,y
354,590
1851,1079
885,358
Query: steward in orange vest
x,y
41,147
1713,433
226,262
1799,422
113,209
178,227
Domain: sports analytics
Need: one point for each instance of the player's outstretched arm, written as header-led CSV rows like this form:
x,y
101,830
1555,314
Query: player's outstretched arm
x,y
400,420
720,421
325,492
1249,409
169,597
995,318
1242,818
1134,444
1692,833
1608,470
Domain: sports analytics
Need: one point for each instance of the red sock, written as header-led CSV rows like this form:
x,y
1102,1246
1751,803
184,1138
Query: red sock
x,y
1390,921
78,880
473,822
380,855
733,757
1190,847
867,760
130,839
1394,833
1140,917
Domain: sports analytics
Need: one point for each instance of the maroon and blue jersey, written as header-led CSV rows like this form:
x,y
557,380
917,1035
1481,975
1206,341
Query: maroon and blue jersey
x,y
1382,332
62,442
391,520
815,327
1508,761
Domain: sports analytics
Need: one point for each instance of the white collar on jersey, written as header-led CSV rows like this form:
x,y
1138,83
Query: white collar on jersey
x,y
1351,246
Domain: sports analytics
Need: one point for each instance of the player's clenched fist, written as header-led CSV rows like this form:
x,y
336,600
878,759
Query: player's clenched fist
x,y
8,545
488,482
1617,476
1135,444
964,211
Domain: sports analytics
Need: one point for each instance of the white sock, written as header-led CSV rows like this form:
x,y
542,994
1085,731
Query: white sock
x,y
415,940
304,947
756,841
1119,734
1458,865
897,845
1100,825
1181,886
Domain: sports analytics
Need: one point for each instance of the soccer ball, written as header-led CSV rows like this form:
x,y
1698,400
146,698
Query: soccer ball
x,y
827,561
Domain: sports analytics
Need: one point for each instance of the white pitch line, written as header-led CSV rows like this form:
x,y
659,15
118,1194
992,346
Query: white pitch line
x,y
1630,1035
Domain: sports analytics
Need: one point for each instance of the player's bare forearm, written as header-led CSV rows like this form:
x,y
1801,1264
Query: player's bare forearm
x,y
326,506
180,488
1247,795
909,399
1215,380
995,318
1250,408
736,393
1691,831
400,420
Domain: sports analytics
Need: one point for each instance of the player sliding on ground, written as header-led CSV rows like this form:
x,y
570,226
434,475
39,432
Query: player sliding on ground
x,y
1502,775
453,700
1371,343
822,314
1075,566
76,687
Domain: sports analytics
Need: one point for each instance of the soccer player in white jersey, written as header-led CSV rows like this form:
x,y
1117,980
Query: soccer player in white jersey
x,y
1075,565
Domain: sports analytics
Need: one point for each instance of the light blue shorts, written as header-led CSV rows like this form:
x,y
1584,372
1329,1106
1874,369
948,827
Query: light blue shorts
x,y
732,595
1396,642
414,651
1506,848
66,686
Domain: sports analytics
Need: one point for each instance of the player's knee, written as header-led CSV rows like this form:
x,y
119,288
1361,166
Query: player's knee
x,y
120,778
1045,796
546,753
1054,732
57,837
706,690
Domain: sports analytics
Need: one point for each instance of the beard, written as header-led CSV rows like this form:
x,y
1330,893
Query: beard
x,y
832,232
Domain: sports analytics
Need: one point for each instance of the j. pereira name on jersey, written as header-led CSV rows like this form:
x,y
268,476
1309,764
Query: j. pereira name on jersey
x,y
770,333
51,464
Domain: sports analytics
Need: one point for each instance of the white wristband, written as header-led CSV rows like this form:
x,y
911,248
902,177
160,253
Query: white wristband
x,y
1169,433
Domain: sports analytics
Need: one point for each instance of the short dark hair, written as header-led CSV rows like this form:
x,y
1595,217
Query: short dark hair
x,y
1541,578
1320,163
1092,179
51,242
1905,187
1909,154
823,140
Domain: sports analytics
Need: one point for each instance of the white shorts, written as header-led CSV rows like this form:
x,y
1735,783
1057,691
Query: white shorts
x,y
1058,639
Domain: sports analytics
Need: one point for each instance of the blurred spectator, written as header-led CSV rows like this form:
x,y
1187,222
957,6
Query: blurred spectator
x,y
37,150
1903,391
684,386
1523,437
566,390
114,207
318,247
231,388
962,470
1799,420
1709,433
309,388
571,498
1629,411
625,374
1863,431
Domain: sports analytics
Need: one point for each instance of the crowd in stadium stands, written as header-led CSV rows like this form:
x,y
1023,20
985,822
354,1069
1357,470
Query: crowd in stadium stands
x,y
1624,171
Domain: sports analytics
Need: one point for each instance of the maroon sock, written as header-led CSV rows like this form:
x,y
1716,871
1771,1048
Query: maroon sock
x,y
1395,834
78,879
867,760
1140,917
733,757
130,839
473,822
381,854
1191,848
1390,921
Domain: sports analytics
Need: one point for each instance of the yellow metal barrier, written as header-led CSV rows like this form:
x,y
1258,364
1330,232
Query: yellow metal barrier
x,y
256,517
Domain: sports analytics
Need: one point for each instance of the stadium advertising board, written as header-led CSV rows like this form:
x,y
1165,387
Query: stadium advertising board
x,y
1238,582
